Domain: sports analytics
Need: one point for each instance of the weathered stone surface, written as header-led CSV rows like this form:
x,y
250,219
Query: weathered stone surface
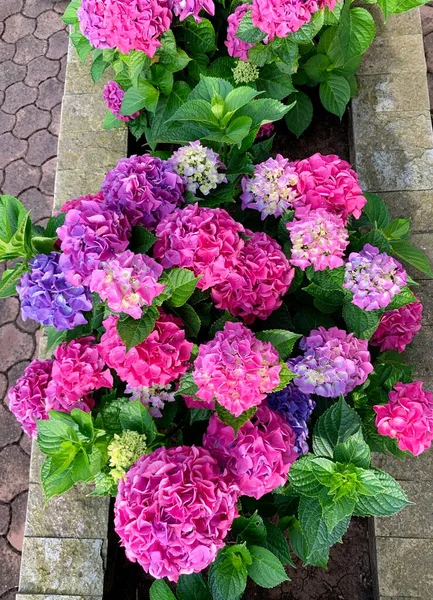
x,y
426,19
56,45
4,518
14,466
407,23
412,468
392,92
29,48
16,371
40,69
16,531
10,430
10,73
20,176
78,80
11,148
47,24
19,346
33,8
36,461
48,176
16,27
416,204
62,566
9,564
6,122
72,152
6,51
71,184
82,112
55,597
385,55
26,443
42,146
10,309
10,7
18,95
50,93
39,204
54,127
3,384
30,119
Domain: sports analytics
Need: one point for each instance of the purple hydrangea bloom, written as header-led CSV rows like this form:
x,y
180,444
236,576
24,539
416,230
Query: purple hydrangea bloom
x,y
113,97
296,408
144,188
373,277
46,296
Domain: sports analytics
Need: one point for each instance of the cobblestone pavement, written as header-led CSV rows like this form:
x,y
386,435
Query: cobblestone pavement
x,y
33,45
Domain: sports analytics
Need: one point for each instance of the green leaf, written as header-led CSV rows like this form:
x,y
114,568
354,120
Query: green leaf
x,y
266,569
336,510
354,450
196,110
391,7
247,32
208,87
385,503
192,587
199,414
302,477
187,387
141,240
135,417
301,115
134,331
415,257
228,418
397,229
15,229
276,543
274,83
81,45
237,130
177,62
165,109
57,471
283,341
316,67
70,16
42,244
162,78
335,426
137,62
190,319
335,94
250,529
374,238
54,339
145,96
112,122
286,376
199,37
53,224
227,578
362,323
219,324
355,31
376,211
98,68
180,283
10,279
238,97
159,590
52,433
264,110
406,296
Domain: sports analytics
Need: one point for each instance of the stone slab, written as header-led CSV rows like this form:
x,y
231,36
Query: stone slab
x,y
412,468
424,291
385,55
85,112
62,566
77,79
416,204
73,183
407,23
54,597
392,92
102,151
420,355
36,461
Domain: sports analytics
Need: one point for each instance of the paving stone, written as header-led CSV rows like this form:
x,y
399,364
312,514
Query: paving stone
x,y
16,530
17,96
10,7
48,176
14,466
4,518
54,127
16,27
7,51
16,371
417,356
50,93
20,176
386,55
47,24
33,8
424,291
3,385
62,566
11,148
62,73
10,565
39,204
40,69
30,119
392,92
9,309
60,7
42,146
428,41
11,73
29,326
430,87
19,346
11,594
58,45
28,48
6,122
26,443
426,19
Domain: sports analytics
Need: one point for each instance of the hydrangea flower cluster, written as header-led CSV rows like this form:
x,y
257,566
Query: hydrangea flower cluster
x,y
373,277
155,398
259,456
125,24
235,46
296,408
319,239
272,188
144,188
408,417
128,282
113,97
245,72
173,511
186,8
334,363
398,327
198,167
78,202
123,451
279,18
46,296
236,369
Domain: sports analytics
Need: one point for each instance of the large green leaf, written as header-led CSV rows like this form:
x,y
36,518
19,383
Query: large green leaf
x,y
250,529
385,503
274,83
376,211
362,323
276,543
355,31
266,569
227,578
316,67
145,96
353,450
167,106
209,87
302,477
135,417
283,341
229,419
247,32
391,7
264,110
199,37
10,278
192,587
187,387
134,331
180,283
301,115
335,94
335,426
159,590
415,257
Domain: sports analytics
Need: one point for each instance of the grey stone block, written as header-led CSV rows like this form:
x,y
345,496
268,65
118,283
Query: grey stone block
x,y
77,79
424,291
74,183
407,23
84,112
54,597
419,354
418,205
62,566
36,461
396,54
392,92
101,149
412,468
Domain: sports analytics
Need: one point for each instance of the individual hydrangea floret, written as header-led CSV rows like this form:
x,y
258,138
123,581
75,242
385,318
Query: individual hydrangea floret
x,y
125,24
334,363
327,181
90,234
319,240
198,167
235,46
155,398
144,188
46,296
236,369
245,72
279,18
265,131
173,511
27,399
78,202
255,282
373,277
160,359
186,8
123,451
113,97
408,417
272,188
296,408
398,327
259,456
128,282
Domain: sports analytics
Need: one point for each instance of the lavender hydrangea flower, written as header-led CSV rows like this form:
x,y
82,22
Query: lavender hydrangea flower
x,y
46,296
155,398
296,408
198,167
373,277
144,188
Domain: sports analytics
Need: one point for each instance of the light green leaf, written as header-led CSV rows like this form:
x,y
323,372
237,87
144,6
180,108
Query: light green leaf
x,y
264,110
81,45
227,578
391,7
70,16
145,96
209,87
98,68
355,31
354,450
406,296
335,94
385,503
302,477
112,122
137,62
135,417
415,257
134,331
397,229
52,433
10,279
196,110
301,115
247,32
283,341
376,211
57,472
266,569
335,426
187,387
180,283
336,510
54,339
237,130
159,590
228,418
286,376
238,97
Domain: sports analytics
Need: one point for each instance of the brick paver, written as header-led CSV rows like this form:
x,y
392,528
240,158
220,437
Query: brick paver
x,y
33,46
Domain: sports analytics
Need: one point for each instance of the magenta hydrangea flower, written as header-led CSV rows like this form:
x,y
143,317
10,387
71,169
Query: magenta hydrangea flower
x,y
90,234
398,327
198,167
373,277
256,281
128,282
78,370
27,399
144,188
272,188
279,18
236,369
186,8
319,239
173,511
327,181
160,359
259,456
46,296
78,202
334,363
113,97
235,46
125,24
408,417
265,131
198,238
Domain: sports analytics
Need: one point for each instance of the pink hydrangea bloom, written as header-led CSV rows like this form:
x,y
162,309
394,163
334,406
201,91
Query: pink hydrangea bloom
x,y
194,403
125,24
408,417
398,327
235,46
278,18
198,238
173,511
78,370
236,369
78,202
259,456
90,234
160,359
256,281
319,239
128,282
113,97
27,399
144,188
328,182
185,8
